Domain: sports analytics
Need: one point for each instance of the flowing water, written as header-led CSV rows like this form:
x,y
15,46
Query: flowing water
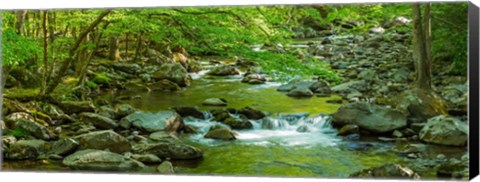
x,y
297,139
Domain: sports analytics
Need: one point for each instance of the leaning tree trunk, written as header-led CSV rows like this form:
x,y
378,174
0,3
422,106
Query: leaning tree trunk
x,y
71,54
20,21
421,48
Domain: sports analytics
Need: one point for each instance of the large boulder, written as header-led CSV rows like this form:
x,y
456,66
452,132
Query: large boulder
x,y
92,159
106,139
254,78
164,85
190,111
420,104
151,122
445,130
220,132
166,168
130,68
99,121
174,72
64,146
251,113
224,71
27,149
371,117
34,128
172,150
387,171
71,107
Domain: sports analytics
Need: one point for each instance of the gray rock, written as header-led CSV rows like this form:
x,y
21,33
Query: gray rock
x,y
350,86
445,130
166,168
172,150
107,111
100,160
174,72
300,92
71,107
397,134
124,110
371,117
251,113
106,139
190,111
303,129
164,85
387,171
254,78
27,149
220,132
238,123
214,102
146,158
151,122
64,147
161,136
11,119
224,71
34,128
130,68
99,121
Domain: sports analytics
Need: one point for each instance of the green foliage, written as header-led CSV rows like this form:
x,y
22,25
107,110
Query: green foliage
x,y
91,85
101,78
284,66
17,132
449,34
17,49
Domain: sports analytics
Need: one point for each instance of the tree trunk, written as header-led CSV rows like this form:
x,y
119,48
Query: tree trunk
x,y
139,47
45,50
71,54
114,53
126,46
20,21
420,50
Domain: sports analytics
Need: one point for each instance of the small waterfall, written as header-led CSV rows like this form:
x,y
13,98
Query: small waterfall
x,y
272,124
207,115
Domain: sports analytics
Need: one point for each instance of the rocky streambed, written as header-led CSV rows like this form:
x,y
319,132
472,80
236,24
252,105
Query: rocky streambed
x,y
225,120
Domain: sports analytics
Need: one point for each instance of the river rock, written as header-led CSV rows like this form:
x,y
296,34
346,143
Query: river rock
x,y
71,107
135,87
251,113
445,130
300,92
34,128
238,123
172,150
349,129
303,129
124,110
106,139
146,158
161,136
164,85
160,121
166,168
254,78
107,111
371,117
224,71
214,102
27,149
220,132
130,68
387,171
190,111
174,72
376,30
420,104
11,119
348,87
100,160
99,121
64,146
